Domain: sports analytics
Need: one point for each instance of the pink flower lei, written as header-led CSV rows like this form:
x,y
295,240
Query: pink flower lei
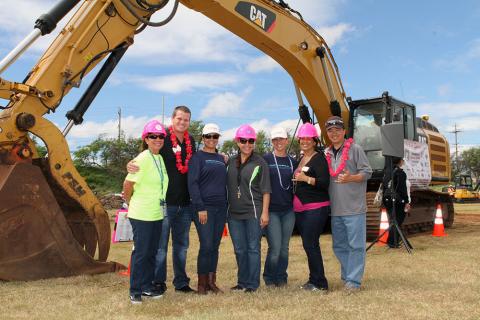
x,y
346,147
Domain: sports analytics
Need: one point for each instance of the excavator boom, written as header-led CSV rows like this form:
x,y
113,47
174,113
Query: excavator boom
x,y
64,229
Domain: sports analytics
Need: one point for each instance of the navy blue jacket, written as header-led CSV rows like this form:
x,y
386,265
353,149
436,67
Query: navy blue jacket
x,y
207,180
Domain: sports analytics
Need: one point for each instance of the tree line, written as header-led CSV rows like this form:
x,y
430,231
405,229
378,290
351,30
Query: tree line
x,y
103,162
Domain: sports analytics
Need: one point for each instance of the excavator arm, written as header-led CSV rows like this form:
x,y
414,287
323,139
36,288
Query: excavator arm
x,y
69,225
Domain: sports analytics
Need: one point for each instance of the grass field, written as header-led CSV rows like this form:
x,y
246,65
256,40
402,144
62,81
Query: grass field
x,y
441,280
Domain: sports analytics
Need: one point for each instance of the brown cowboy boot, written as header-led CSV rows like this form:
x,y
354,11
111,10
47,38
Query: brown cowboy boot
x,y
212,278
202,283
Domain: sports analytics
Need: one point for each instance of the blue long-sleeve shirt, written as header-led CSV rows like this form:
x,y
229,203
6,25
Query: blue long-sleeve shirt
x,y
207,180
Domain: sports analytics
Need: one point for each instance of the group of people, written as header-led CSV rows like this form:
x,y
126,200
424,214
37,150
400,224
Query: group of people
x,y
170,184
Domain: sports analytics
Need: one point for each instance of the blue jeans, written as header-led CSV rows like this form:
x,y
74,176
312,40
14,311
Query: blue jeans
x,y
161,256
145,240
210,236
246,236
349,240
279,231
311,224
179,219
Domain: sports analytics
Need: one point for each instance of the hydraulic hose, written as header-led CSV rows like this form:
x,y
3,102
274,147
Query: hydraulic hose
x,y
131,9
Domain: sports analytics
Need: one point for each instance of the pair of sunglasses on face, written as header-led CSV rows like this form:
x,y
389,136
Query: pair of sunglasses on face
x,y
244,141
211,136
156,136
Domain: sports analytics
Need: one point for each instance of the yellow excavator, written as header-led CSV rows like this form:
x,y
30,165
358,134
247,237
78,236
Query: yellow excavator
x,y
51,223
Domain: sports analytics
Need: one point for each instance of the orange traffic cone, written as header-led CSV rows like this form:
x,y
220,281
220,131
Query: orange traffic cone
x,y
225,231
438,229
127,272
383,228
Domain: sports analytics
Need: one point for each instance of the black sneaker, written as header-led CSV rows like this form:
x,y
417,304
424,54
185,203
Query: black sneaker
x,y
313,288
160,286
185,289
250,290
237,288
136,299
152,294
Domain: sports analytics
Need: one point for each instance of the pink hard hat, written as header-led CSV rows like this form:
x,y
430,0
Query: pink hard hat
x,y
153,126
307,130
245,131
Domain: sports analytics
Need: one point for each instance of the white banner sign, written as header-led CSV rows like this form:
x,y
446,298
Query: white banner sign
x,y
417,164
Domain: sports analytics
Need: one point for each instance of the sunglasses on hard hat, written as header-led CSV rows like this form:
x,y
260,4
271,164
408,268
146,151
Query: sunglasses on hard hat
x,y
244,141
331,123
156,136
211,136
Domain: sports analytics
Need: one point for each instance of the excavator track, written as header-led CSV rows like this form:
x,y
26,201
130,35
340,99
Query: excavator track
x,y
422,214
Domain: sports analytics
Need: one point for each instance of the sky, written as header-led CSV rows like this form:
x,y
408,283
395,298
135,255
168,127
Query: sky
x,y
423,52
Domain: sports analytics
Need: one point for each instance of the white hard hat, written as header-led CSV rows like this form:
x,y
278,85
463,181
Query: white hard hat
x,y
278,132
211,128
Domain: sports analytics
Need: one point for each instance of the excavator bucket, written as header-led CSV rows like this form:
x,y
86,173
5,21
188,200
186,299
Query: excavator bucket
x,y
36,238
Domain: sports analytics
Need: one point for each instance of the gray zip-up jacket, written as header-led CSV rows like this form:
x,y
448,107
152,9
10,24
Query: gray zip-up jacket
x,y
254,179
349,198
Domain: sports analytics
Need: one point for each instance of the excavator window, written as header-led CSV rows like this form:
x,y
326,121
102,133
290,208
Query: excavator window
x,y
367,120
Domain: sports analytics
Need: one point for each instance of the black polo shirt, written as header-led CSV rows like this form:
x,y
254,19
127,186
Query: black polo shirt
x,y
177,193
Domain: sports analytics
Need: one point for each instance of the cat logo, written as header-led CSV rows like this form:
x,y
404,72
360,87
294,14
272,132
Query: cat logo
x,y
261,17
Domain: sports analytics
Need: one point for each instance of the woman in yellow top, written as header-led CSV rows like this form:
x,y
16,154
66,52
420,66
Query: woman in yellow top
x,y
145,193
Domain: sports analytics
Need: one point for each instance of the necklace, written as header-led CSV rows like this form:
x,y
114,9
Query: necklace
x,y
343,160
278,170
159,171
182,168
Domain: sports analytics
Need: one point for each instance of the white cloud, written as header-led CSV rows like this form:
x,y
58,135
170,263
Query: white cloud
x,y
223,104
262,64
18,24
461,62
333,34
131,126
178,83
445,114
189,38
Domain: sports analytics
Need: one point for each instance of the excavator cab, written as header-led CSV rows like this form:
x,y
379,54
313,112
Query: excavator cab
x,y
366,118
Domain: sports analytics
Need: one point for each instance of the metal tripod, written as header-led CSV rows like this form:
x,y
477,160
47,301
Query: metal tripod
x,y
393,224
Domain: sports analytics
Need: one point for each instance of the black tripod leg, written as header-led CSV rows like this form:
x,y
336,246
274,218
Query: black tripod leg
x,y
378,238
405,242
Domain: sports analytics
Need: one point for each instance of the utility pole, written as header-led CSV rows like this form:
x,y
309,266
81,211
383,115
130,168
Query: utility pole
x,y
119,122
456,131
163,110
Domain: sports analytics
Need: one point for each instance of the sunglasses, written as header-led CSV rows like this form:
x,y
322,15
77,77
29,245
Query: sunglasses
x,y
156,136
244,141
211,136
330,123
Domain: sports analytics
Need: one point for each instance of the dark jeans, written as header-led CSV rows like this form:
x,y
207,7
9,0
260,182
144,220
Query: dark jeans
x,y
210,236
145,241
246,236
310,225
393,236
279,231
179,219
161,257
